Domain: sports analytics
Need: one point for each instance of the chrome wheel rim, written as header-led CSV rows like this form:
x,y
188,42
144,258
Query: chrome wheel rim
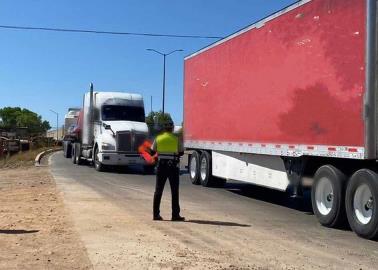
x,y
203,168
363,204
324,196
193,167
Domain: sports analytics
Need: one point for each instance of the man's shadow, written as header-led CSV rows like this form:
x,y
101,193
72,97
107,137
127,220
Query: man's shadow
x,y
217,223
18,231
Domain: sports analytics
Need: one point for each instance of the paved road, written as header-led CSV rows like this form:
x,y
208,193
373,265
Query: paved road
x,y
248,221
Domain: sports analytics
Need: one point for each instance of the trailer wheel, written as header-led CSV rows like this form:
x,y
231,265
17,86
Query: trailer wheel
x,y
205,175
362,203
327,196
194,165
97,164
73,153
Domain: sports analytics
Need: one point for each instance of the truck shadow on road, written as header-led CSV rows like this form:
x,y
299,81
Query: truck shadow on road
x,y
217,223
135,170
279,198
272,196
18,231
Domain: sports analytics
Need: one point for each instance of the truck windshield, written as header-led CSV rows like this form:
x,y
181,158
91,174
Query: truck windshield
x,y
123,113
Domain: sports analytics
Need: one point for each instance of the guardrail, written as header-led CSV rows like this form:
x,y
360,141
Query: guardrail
x,y
38,158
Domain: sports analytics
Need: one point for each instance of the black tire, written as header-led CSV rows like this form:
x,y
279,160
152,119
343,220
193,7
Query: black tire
x,y
67,149
328,204
205,173
148,169
364,223
97,164
194,168
73,153
78,160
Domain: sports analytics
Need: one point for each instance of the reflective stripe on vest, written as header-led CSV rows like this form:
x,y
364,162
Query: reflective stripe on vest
x,y
167,143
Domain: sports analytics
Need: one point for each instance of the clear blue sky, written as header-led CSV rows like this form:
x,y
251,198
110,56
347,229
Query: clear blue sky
x,y
47,70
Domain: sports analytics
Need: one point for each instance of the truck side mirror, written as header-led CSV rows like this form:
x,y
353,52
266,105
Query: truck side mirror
x,y
109,127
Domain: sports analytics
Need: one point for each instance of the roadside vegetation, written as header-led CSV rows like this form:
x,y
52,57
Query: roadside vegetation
x,y
22,137
15,117
22,159
155,120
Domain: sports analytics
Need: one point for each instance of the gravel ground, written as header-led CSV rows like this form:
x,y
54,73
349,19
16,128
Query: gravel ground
x,y
35,230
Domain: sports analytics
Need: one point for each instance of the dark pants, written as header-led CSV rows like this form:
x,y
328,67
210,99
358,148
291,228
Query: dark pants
x,y
167,169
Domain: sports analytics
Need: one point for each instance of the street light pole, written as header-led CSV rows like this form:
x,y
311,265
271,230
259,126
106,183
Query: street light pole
x,y
57,124
151,103
164,68
165,56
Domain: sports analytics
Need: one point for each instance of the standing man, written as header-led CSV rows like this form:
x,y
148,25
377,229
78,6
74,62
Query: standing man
x,y
169,151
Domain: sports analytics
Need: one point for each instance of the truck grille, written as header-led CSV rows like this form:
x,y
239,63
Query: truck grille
x,y
124,141
129,141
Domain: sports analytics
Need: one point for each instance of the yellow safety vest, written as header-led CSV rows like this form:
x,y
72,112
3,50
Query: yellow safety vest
x,y
167,143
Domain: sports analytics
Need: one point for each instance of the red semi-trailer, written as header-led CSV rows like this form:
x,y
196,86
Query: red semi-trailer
x,y
291,96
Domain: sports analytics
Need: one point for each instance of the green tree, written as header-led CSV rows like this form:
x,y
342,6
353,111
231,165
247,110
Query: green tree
x,y
155,121
15,117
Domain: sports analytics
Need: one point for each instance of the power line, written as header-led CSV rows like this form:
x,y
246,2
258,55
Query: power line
x,y
104,32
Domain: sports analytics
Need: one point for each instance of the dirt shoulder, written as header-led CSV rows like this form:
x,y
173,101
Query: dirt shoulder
x,y
112,214
35,229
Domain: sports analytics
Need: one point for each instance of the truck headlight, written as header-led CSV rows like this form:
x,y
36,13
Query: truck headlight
x,y
107,147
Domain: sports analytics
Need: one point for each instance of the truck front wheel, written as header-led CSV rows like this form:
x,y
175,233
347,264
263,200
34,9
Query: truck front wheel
x,y
362,203
97,164
327,196
77,147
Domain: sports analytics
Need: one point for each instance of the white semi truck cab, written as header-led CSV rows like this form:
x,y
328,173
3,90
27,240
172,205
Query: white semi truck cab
x,y
112,127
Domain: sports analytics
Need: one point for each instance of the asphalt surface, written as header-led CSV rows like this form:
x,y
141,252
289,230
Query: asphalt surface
x,y
234,206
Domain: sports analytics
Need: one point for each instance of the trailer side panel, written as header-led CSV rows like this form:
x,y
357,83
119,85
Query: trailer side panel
x,y
293,84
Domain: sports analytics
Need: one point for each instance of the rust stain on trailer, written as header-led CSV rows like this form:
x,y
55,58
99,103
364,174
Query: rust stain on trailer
x,y
310,126
317,129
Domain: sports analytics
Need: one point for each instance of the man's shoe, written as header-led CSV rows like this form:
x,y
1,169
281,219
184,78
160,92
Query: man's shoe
x,y
158,218
178,218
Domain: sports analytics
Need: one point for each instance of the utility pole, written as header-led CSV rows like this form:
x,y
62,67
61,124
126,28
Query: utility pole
x,y
164,57
151,103
57,124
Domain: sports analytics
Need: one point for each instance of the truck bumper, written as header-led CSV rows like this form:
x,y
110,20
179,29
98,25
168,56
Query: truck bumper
x,y
119,159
